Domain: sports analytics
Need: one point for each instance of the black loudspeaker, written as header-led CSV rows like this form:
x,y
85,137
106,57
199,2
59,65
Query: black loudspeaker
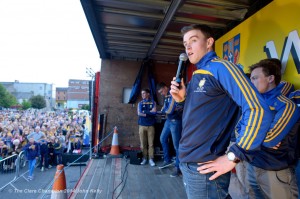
x,y
74,159
134,156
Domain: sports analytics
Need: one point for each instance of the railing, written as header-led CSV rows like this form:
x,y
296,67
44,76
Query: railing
x,y
20,170
8,164
49,187
12,164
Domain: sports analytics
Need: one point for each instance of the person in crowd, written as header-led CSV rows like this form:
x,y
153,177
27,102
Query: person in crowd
x,y
52,131
146,111
62,140
3,150
36,135
57,151
77,145
70,137
210,102
17,136
44,163
16,128
50,144
271,174
17,147
172,126
7,138
32,152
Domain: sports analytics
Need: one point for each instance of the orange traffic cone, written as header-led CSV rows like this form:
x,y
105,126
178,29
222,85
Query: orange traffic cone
x,y
115,150
59,189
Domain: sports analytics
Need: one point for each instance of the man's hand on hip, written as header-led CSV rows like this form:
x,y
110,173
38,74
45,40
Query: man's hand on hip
x,y
219,166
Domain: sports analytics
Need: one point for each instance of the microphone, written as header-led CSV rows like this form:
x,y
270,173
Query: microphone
x,y
182,57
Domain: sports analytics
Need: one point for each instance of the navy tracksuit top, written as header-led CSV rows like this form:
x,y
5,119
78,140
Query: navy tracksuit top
x,y
172,109
145,106
216,90
283,130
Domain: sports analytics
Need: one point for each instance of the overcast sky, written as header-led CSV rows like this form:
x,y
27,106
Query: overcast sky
x,y
45,41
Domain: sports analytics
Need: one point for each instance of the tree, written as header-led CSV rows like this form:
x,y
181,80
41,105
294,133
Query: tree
x,y
6,99
37,102
85,107
26,104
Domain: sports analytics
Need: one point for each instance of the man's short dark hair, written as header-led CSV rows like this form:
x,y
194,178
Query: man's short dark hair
x,y
146,90
269,67
160,85
206,30
276,61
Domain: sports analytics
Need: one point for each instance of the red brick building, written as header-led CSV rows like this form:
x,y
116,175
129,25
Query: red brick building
x,y
61,97
78,93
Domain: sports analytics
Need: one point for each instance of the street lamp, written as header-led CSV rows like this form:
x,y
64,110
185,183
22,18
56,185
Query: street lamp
x,y
91,74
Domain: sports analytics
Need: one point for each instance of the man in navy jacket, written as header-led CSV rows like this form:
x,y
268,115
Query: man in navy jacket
x,y
32,150
271,174
146,111
216,89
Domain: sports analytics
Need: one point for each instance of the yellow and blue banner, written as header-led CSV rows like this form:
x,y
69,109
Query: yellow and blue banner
x,y
272,32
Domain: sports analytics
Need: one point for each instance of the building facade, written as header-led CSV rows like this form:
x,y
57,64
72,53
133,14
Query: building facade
x,y
24,91
61,97
78,93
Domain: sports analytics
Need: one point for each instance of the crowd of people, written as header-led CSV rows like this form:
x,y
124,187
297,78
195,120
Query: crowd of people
x,y
44,135
221,103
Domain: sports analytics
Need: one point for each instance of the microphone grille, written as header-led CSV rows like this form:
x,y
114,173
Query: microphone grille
x,y
183,57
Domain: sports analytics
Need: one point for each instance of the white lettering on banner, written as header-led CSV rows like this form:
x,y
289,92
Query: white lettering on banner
x,y
291,45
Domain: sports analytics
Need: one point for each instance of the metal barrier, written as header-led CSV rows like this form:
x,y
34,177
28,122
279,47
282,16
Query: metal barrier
x,y
75,162
21,162
8,164
13,164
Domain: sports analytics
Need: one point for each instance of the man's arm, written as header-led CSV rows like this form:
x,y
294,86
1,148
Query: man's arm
x,y
139,110
153,110
30,135
169,107
287,114
256,115
254,123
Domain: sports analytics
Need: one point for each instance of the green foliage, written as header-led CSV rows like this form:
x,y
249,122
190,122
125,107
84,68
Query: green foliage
x,y
6,99
26,104
85,107
37,102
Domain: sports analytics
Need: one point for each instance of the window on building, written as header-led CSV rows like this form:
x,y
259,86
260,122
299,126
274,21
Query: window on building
x,y
126,95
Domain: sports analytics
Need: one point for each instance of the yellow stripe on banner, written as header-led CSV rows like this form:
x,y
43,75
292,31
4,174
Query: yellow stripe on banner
x,y
250,96
283,121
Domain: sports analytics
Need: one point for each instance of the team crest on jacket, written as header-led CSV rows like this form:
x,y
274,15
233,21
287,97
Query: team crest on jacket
x,y
201,84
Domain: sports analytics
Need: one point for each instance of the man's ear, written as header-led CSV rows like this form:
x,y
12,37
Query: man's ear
x,y
271,78
210,42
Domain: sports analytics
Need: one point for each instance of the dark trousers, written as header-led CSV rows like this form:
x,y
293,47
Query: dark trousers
x,y
44,160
